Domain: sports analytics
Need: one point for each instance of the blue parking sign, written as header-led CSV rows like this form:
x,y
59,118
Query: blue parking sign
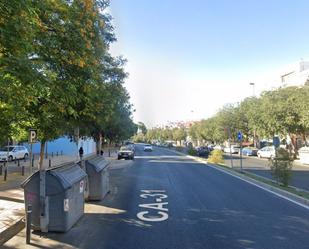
x,y
239,136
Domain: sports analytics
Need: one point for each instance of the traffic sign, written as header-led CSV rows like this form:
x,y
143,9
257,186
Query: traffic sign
x,y
32,136
239,136
276,142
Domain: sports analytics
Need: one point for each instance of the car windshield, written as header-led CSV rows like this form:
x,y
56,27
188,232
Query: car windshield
x,y
125,148
10,148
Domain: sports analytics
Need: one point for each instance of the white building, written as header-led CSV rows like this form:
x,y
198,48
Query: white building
x,y
297,75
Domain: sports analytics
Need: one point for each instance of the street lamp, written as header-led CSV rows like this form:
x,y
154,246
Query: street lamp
x,y
253,85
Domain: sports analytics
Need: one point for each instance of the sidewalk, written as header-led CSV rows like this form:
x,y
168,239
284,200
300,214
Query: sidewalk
x,y
12,209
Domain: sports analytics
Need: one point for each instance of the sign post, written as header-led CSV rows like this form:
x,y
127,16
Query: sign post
x,y
32,139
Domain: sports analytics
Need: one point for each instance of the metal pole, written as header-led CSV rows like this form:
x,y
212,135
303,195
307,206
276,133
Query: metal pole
x,y
28,224
23,170
229,131
241,155
5,172
31,160
1,166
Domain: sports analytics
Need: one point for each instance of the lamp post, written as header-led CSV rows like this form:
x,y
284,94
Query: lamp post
x,y
254,131
253,86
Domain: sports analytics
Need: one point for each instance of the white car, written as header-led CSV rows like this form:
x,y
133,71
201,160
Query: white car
x,y
147,147
10,153
234,149
267,152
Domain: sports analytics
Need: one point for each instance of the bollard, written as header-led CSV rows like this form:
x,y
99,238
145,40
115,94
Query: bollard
x,y
15,161
18,163
5,173
57,153
1,169
61,153
109,153
23,170
52,154
32,162
28,223
49,163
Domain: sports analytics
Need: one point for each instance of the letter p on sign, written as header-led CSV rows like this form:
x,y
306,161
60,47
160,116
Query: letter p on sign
x,y
32,136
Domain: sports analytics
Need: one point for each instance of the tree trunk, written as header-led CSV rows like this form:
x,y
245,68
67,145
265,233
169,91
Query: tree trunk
x,y
41,160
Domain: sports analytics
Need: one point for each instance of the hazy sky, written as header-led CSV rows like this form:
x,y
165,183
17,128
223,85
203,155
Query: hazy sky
x,y
186,59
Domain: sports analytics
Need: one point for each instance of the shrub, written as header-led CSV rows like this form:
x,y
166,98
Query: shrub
x,y
192,152
216,156
281,166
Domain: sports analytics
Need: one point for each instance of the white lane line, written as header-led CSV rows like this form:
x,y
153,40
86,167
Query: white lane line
x,y
254,184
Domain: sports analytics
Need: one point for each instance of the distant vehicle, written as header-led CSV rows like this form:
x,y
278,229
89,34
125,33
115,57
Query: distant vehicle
x,y
219,147
10,153
202,151
234,149
147,147
249,151
126,152
267,152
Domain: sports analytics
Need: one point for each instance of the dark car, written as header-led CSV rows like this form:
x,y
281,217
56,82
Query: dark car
x,y
126,152
202,151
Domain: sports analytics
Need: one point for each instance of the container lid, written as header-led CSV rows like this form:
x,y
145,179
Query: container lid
x,y
67,175
98,163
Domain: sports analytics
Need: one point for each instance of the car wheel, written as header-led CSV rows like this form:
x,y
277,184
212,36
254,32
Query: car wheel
x,y
26,156
119,158
259,156
10,158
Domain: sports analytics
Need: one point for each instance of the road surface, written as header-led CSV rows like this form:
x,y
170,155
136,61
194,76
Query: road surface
x,y
167,201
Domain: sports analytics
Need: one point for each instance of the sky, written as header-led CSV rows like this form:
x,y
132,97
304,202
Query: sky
x,y
186,59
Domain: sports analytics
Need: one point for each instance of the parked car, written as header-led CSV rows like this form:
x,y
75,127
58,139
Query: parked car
x,y
202,151
249,151
147,147
234,149
219,147
10,153
126,152
267,152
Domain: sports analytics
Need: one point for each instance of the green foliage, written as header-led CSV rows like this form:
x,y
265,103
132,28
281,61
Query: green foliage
x,y
192,152
56,72
216,156
281,166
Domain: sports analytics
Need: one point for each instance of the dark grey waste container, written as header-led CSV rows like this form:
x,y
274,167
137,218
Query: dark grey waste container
x,y
98,177
65,194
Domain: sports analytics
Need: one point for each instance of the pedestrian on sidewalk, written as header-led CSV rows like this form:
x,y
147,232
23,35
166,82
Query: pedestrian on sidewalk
x,y
81,153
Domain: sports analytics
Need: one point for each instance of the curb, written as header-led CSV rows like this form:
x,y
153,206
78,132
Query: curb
x,y
11,231
279,192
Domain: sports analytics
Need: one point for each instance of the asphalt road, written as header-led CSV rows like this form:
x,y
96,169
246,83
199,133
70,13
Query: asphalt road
x,y
260,166
166,201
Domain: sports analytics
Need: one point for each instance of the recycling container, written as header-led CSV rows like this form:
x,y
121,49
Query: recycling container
x,y
98,177
65,196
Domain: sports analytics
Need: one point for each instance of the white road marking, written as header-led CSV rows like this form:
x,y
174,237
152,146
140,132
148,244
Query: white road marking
x,y
159,209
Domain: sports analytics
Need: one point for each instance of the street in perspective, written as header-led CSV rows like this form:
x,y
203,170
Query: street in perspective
x,y
154,124
165,199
